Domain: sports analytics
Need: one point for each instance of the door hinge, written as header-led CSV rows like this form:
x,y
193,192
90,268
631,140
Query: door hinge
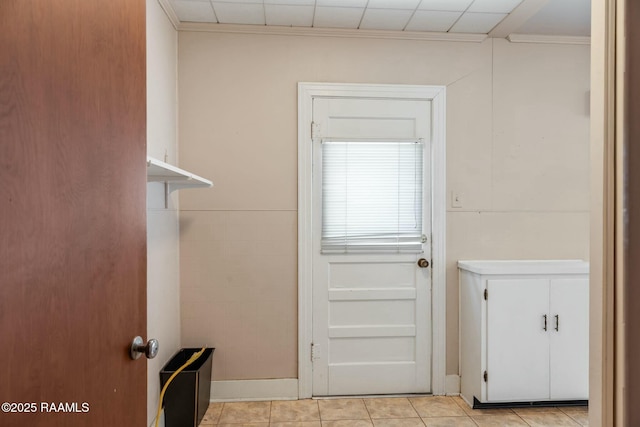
x,y
485,376
315,130
313,352
486,294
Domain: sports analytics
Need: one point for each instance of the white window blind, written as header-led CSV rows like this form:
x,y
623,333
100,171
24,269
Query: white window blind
x,y
371,196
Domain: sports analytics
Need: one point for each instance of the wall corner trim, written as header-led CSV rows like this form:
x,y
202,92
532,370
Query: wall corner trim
x,y
452,385
171,14
254,390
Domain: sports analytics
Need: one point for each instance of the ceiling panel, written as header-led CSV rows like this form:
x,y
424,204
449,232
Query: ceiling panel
x,y
561,17
194,11
342,3
385,19
445,5
477,22
549,17
493,6
237,1
292,2
239,13
425,20
393,4
338,17
297,16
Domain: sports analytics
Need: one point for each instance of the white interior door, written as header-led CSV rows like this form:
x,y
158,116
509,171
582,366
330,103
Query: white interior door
x,y
371,301
569,339
518,340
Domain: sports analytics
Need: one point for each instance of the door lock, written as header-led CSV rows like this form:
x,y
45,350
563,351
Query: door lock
x,y
423,263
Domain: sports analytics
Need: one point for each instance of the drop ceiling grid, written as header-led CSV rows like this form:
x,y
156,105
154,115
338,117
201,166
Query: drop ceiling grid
x,y
456,16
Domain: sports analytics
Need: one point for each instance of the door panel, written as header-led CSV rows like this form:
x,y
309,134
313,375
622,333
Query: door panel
x,y
517,343
373,378
371,312
372,275
371,309
373,350
372,118
570,342
72,210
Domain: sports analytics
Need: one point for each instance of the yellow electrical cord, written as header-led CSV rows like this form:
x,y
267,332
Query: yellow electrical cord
x,y
189,362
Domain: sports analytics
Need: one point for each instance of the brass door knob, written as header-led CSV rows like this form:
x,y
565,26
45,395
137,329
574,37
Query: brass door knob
x,y
423,263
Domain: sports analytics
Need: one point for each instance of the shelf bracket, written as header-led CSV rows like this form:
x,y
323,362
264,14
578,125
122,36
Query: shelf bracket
x,y
173,178
166,195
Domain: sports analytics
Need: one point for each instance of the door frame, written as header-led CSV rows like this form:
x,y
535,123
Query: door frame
x,y
435,94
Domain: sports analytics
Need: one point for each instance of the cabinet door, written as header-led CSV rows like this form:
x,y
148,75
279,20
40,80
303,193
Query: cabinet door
x,y
517,343
569,339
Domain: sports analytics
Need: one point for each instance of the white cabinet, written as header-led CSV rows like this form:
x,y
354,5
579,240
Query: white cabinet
x,y
524,331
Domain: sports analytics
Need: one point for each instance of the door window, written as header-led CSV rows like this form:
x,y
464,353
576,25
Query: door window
x,y
372,196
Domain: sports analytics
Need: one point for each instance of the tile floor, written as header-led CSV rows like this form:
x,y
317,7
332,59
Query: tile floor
x,y
429,411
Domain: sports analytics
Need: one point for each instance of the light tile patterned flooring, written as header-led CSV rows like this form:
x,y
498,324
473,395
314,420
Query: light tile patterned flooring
x,y
429,411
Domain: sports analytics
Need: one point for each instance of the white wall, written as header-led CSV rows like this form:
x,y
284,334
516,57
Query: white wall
x,y
526,189
517,152
163,295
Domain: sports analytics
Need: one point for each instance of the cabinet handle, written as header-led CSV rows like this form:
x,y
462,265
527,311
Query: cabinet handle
x,y
544,316
557,322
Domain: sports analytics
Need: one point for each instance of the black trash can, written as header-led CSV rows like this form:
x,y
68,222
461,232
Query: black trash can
x,y
187,397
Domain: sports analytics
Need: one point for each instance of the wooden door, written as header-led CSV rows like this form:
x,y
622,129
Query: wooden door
x,y
371,302
72,212
625,369
517,340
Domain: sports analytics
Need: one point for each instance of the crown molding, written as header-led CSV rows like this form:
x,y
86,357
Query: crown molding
x,y
329,32
539,38
171,14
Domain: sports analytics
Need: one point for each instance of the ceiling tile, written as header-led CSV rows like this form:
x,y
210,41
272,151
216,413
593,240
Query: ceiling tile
x,y
337,17
194,11
494,6
392,4
447,5
297,16
426,20
239,1
480,23
385,19
564,18
239,13
342,3
292,2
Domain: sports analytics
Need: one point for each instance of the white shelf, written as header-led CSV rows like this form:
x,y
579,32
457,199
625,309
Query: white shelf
x,y
174,177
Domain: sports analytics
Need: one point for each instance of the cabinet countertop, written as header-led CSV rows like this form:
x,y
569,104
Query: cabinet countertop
x,y
573,266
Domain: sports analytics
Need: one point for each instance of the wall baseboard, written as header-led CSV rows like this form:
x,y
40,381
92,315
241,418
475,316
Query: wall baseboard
x,y
452,385
282,389
242,390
